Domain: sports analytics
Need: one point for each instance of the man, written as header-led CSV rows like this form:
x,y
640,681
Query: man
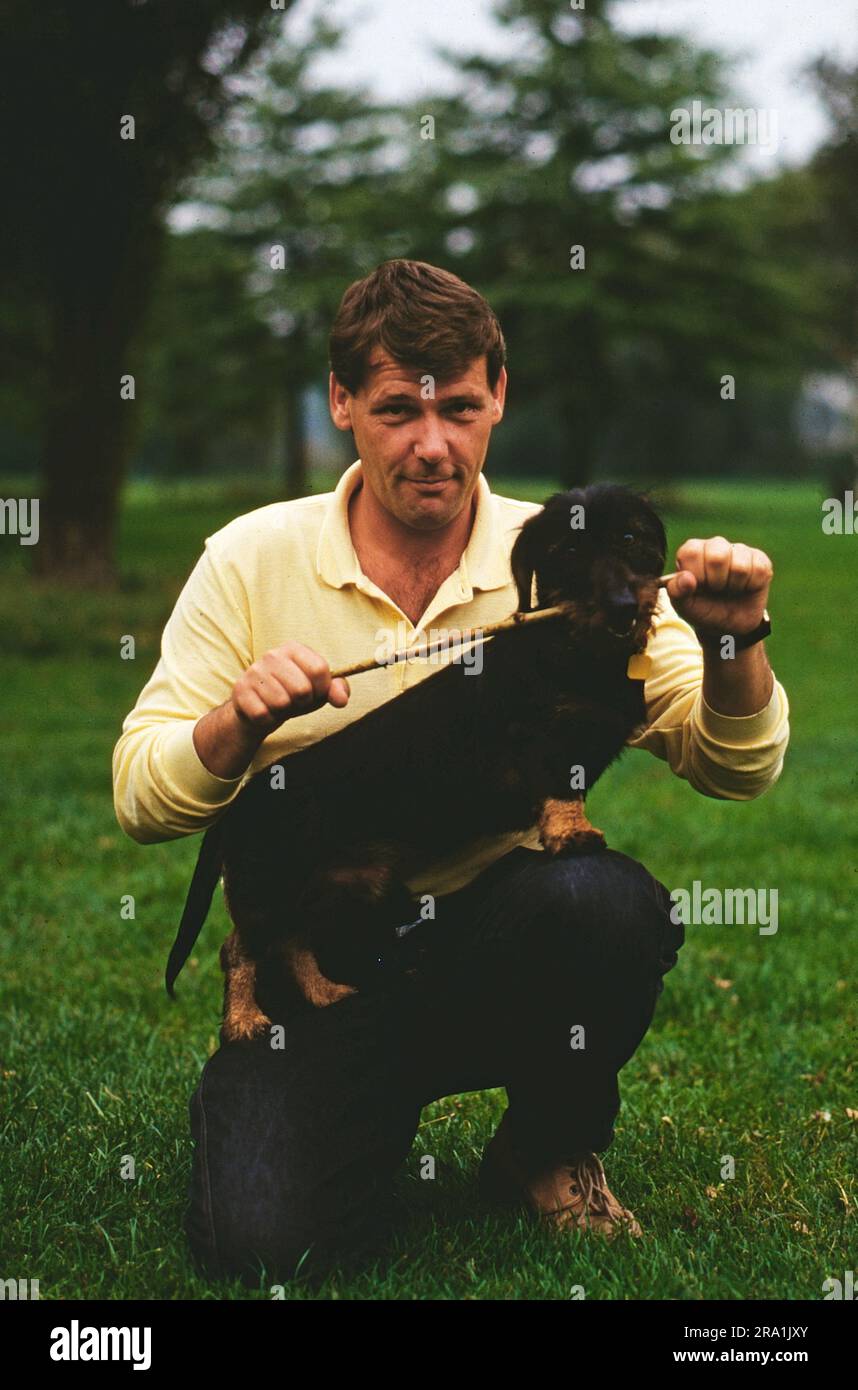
x,y
297,1146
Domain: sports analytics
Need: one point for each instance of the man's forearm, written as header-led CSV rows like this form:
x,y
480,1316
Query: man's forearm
x,y
740,685
225,743
285,683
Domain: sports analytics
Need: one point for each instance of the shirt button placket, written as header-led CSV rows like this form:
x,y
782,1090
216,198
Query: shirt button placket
x,y
415,640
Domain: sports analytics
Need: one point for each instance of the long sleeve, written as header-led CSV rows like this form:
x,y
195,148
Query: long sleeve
x,y
161,789
721,756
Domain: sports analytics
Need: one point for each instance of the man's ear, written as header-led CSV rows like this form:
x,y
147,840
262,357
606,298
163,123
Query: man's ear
x,y
338,404
652,502
499,397
523,559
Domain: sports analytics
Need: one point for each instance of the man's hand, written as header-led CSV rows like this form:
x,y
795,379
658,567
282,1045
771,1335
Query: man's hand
x,y
284,683
720,588
723,590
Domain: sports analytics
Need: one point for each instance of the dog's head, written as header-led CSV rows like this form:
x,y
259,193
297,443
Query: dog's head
x,y
600,549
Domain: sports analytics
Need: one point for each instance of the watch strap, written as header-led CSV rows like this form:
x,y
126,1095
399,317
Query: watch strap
x,y
750,639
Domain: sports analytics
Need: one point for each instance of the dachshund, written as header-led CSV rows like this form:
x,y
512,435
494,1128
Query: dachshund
x,y
315,850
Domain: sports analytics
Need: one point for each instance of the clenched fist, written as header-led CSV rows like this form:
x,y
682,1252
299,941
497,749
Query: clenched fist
x,y
720,588
285,682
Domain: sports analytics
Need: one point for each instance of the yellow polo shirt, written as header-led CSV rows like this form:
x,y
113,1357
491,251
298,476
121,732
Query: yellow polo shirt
x,y
289,572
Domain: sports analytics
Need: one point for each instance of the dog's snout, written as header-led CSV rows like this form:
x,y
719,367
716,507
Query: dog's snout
x,y
623,603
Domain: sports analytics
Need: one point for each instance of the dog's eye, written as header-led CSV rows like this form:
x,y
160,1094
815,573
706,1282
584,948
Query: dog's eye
x,y
628,538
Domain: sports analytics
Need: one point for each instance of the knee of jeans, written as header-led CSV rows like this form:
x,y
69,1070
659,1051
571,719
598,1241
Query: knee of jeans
x,y
604,905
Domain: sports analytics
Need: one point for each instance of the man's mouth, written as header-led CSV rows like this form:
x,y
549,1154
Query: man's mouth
x,y
430,484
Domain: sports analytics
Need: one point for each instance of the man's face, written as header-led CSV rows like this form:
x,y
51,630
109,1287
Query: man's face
x,y
421,457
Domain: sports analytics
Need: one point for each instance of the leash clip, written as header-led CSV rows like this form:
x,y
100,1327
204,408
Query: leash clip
x,y
408,926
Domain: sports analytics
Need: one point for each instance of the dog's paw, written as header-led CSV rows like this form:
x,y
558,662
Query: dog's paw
x,y
565,829
321,992
318,989
243,1025
588,841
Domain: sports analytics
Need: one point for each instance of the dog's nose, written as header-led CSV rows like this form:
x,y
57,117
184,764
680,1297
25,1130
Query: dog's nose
x,y
623,604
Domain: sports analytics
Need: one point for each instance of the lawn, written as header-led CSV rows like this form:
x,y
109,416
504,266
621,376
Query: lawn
x,y
751,1054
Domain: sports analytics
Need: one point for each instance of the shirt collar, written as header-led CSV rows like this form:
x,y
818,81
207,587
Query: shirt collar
x,y
484,563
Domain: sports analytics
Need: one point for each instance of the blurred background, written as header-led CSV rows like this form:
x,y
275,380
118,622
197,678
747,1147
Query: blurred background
x,y
166,298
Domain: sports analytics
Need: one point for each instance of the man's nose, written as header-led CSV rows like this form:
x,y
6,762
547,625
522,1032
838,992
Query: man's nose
x,y
431,443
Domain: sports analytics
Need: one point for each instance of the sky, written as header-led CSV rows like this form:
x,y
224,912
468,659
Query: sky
x,y
390,49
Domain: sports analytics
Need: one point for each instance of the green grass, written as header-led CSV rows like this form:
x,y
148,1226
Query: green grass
x,y
96,1064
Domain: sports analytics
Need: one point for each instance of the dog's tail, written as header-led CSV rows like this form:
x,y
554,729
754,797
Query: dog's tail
x,y
197,903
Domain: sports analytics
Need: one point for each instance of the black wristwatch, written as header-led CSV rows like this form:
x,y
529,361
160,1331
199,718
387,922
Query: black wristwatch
x,y
740,642
750,639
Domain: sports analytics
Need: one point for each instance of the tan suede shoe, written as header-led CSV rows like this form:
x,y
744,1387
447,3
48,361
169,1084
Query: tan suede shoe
x,y
569,1193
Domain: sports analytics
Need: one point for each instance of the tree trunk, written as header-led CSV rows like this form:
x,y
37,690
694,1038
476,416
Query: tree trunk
x,y
85,449
192,454
586,403
88,425
580,431
294,444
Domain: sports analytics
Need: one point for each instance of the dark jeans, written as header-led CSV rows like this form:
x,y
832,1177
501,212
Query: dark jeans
x,y
296,1148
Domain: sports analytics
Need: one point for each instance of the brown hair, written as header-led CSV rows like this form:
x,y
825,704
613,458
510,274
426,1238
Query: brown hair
x,y
422,316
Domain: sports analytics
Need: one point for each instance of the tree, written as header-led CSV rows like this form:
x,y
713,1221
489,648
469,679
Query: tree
x,y
212,365
620,263
685,278
304,183
833,173
831,235
88,231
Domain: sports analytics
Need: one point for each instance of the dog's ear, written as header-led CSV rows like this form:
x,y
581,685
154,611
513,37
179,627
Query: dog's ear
x,y
650,506
523,559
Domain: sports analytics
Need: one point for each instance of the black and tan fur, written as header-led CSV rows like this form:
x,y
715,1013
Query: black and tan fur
x,y
313,872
